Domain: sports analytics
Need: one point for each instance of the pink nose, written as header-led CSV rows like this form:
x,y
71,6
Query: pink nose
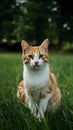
x,y
36,62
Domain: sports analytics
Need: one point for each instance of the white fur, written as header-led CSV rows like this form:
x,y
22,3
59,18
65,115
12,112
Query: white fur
x,y
36,79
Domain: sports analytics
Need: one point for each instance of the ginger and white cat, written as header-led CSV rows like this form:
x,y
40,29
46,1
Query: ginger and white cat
x,y
38,89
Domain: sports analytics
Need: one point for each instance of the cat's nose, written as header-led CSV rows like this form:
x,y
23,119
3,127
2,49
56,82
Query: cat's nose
x,y
36,62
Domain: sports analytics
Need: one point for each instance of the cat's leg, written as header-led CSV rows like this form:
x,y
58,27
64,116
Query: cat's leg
x,y
43,105
32,105
23,95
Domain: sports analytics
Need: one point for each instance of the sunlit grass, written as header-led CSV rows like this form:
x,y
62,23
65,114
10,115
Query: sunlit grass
x,y
13,113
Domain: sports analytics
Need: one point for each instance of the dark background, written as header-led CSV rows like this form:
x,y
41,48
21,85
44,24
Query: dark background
x,y
35,20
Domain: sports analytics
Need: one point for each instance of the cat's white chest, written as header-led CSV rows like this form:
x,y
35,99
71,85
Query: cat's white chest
x,y
36,79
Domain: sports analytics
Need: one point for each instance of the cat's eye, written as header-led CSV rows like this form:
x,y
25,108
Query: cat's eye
x,y
30,56
41,55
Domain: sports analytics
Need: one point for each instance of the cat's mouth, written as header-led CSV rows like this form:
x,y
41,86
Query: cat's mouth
x,y
36,66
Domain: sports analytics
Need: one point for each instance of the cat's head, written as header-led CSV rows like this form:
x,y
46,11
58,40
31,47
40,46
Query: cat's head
x,y
36,56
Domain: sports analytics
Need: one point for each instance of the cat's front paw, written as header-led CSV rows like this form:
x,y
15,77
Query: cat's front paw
x,y
37,117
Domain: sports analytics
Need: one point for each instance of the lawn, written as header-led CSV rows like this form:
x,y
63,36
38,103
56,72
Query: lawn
x,y
13,113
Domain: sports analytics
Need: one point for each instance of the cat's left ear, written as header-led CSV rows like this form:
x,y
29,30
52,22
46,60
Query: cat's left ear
x,y
45,44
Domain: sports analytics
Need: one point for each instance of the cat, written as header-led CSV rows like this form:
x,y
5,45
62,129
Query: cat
x,y
38,89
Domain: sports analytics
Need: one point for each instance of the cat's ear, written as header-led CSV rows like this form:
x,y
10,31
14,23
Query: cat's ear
x,y
45,44
24,45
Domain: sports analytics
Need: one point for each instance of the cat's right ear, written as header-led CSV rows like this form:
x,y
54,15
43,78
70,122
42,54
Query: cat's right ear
x,y
24,45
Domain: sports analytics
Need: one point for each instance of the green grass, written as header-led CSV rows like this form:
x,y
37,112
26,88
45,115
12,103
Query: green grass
x,y
13,113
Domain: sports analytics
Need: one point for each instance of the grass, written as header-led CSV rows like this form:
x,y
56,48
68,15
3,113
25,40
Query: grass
x,y
13,113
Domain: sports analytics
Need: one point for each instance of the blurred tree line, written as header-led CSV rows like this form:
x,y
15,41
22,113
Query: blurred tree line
x,y
35,20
